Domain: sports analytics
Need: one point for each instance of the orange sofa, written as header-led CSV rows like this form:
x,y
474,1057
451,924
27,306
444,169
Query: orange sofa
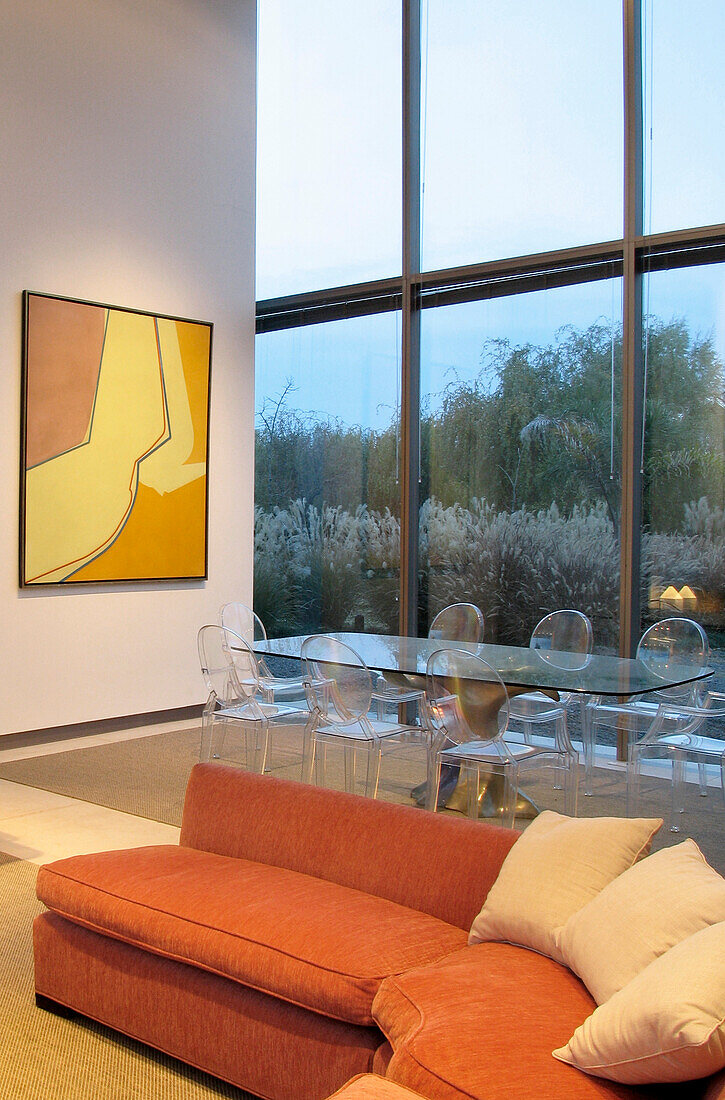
x,y
299,937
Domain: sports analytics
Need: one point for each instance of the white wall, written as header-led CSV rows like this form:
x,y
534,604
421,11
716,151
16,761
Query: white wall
x,y
127,177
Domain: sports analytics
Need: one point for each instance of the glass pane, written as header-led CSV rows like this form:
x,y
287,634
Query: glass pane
x,y
327,527
684,90
521,128
521,442
683,551
328,144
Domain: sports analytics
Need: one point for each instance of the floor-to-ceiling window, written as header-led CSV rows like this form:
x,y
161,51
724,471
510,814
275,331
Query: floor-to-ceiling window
x,y
683,458
490,368
521,441
327,515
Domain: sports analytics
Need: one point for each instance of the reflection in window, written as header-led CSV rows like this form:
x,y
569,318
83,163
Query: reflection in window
x,y
327,529
683,549
521,439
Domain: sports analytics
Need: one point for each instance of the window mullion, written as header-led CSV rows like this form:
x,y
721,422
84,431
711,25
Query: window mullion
x,y
632,364
410,352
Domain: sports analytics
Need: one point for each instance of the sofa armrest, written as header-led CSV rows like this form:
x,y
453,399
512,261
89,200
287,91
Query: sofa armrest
x,y
436,864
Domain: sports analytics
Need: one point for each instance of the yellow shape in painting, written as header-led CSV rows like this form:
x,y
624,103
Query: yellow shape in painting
x,y
164,470
164,537
76,504
195,344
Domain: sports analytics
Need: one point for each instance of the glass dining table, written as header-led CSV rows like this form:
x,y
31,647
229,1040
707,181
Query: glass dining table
x,y
522,669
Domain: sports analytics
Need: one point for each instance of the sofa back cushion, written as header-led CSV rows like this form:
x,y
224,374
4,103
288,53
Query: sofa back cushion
x,y
439,865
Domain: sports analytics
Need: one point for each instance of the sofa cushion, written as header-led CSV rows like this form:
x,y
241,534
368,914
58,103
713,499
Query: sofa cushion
x,y
559,864
370,1086
654,905
667,1024
308,941
482,1024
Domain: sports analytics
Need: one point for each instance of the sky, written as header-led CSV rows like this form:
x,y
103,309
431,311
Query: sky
x,y
521,151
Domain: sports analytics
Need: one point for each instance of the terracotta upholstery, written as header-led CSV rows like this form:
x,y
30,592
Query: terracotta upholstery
x,y
273,1049
298,938
367,845
490,1005
373,1087
305,940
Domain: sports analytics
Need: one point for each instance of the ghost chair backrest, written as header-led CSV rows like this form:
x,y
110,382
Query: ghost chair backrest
x,y
459,622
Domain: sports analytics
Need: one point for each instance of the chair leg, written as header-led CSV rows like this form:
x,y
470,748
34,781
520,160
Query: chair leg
x,y
207,736
219,739
305,752
373,773
310,762
250,748
350,766
432,783
702,778
561,735
510,796
321,768
436,786
261,753
678,783
634,768
589,735
571,789
471,777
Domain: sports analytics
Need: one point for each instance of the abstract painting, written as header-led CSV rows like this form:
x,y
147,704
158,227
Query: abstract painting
x,y
115,431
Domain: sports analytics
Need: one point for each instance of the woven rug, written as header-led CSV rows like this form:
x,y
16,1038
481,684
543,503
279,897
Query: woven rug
x,y
44,1057
145,776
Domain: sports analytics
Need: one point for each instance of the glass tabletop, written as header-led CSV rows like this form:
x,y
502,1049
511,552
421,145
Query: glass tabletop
x,y
594,674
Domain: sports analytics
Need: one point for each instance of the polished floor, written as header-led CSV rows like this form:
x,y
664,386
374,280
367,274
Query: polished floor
x,y
40,826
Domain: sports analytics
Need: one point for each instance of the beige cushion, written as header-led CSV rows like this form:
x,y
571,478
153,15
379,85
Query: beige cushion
x,y
557,866
640,915
668,1024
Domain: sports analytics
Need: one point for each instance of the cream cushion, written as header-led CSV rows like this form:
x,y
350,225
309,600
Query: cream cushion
x,y
667,1024
556,867
640,915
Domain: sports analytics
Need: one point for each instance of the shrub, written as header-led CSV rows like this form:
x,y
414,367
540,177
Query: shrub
x,y
319,569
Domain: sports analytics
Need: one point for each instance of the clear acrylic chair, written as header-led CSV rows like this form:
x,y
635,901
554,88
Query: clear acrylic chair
x,y
339,690
669,643
248,625
570,634
231,675
684,743
459,622
468,705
